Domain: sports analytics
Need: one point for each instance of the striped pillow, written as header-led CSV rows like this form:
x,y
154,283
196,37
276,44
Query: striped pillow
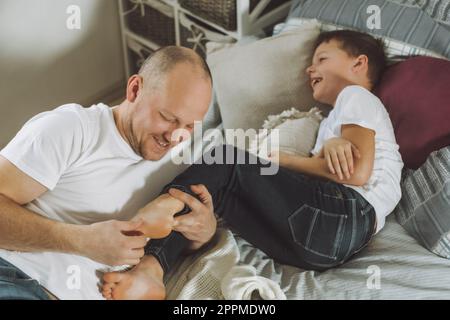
x,y
439,10
406,28
395,50
424,209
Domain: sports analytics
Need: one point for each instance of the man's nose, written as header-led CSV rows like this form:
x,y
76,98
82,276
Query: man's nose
x,y
170,137
175,136
309,70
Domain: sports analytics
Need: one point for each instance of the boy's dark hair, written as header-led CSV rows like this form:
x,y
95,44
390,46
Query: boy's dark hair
x,y
356,43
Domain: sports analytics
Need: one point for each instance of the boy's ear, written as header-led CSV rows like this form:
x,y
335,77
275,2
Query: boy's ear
x,y
361,62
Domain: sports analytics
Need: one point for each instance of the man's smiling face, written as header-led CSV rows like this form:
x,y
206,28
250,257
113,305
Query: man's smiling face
x,y
180,100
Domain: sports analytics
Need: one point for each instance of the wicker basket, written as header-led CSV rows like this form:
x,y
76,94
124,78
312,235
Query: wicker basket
x,y
272,5
155,25
220,12
223,12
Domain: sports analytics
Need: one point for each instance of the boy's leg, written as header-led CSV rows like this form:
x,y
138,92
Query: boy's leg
x,y
215,177
296,219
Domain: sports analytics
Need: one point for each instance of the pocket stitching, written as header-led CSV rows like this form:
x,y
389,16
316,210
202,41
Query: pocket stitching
x,y
311,228
317,211
366,209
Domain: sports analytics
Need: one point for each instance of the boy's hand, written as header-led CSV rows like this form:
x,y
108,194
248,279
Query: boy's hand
x,y
339,152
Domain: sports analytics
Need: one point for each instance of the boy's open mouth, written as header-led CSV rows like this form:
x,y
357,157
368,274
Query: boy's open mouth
x,y
315,81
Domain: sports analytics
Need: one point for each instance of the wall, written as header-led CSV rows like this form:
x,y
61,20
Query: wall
x,y
43,64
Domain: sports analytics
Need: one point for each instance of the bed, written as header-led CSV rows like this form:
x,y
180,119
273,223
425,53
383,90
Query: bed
x,y
395,265
406,271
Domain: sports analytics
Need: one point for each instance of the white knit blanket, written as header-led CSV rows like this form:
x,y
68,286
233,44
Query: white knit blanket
x,y
198,276
213,273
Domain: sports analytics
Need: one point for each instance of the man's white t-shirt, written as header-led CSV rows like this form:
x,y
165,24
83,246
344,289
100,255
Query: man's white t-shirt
x,y
92,175
357,105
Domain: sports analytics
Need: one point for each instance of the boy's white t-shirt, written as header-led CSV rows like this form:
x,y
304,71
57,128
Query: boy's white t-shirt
x,y
92,175
357,105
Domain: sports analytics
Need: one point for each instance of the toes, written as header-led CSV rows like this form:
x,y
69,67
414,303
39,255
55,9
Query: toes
x,y
107,290
116,295
108,286
112,277
107,293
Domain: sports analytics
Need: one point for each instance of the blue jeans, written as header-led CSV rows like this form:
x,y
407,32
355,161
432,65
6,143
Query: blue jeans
x,y
297,219
16,285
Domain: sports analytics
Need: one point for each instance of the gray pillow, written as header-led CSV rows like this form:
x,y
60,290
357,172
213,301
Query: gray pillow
x,y
424,209
212,118
263,77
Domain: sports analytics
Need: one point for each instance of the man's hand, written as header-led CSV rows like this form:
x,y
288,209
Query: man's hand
x,y
113,242
200,225
339,152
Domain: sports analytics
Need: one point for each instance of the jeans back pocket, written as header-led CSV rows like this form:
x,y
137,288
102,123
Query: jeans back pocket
x,y
318,231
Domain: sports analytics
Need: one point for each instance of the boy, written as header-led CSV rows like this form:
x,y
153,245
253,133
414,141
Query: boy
x,y
346,67
316,212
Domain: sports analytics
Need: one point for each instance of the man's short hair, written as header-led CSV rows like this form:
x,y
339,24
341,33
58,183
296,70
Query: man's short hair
x,y
356,43
165,59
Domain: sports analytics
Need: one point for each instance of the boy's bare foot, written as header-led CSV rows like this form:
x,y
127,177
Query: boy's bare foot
x,y
157,216
143,282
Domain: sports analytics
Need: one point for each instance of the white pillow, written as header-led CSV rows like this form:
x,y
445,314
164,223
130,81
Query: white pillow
x,y
260,78
291,131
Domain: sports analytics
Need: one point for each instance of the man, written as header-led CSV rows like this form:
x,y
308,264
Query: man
x,y
71,176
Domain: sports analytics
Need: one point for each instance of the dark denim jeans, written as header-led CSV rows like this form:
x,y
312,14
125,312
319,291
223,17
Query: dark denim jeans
x,y
297,219
16,285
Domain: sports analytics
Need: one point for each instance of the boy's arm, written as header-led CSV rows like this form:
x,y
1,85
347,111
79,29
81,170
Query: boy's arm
x,y
339,154
362,138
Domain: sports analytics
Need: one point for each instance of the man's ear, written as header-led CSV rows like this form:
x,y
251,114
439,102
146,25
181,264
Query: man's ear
x,y
134,86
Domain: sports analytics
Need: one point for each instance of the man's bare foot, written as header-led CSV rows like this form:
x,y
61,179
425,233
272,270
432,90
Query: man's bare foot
x,y
157,216
143,282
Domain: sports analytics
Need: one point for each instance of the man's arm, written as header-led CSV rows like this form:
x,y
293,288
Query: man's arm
x,y
24,230
362,138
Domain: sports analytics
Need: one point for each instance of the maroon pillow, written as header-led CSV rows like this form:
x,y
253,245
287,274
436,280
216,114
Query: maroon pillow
x,y
416,93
